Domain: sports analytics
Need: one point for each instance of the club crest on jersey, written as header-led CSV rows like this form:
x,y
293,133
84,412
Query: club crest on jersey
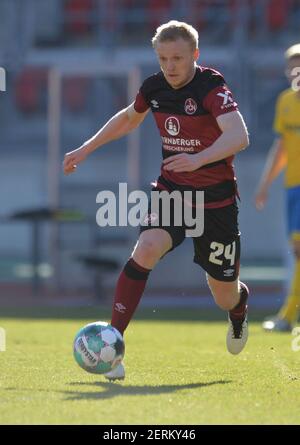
x,y
190,106
172,126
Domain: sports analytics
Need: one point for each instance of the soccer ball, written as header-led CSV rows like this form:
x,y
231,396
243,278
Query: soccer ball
x,y
98,347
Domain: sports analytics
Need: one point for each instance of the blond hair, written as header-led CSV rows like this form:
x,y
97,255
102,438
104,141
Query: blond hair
x,y
292,51
174,30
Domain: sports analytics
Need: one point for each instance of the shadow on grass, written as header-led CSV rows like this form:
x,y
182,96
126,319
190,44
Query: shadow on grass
x,y
110,390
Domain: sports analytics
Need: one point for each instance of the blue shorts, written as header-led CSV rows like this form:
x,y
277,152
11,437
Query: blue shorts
x,y
293,210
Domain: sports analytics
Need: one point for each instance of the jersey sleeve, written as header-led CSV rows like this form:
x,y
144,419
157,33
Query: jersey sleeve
x,y
220,101
278,124
141,103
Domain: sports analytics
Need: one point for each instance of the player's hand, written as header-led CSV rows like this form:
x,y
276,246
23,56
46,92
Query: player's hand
x,y
261,198
72,159
182,163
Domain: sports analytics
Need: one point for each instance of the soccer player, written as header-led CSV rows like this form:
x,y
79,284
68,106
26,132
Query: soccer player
x,y
285,152
201,130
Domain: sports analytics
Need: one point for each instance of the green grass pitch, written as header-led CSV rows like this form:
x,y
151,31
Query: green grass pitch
x,y
178,372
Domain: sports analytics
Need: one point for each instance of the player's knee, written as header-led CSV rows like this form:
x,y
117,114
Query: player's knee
x,y
148,250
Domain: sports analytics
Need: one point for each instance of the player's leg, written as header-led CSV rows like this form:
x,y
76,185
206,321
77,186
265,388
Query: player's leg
x,y
289,313
217,251
291,309
156,239
150,247
153,244
226,294
232,297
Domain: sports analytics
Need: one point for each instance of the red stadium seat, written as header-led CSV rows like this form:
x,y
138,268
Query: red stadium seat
x,y
198,15
158,12
75,93
78,16
28,89
277,13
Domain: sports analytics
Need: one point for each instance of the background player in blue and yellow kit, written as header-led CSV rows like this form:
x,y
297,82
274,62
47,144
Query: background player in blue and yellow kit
x,y
201,131
285,153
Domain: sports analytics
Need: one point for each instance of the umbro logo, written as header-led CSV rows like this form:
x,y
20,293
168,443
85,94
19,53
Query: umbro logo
x,y
228,272
120,308
154,103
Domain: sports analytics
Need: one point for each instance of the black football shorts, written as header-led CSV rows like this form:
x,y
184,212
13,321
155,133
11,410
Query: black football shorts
x,y
217,250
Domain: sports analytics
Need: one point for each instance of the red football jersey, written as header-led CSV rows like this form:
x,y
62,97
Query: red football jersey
x,y
186,120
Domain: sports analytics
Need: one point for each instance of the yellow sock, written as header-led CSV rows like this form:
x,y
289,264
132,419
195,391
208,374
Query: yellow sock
x,y
291,308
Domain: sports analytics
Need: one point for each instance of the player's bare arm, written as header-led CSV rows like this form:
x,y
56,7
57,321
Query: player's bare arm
x,y
234,138
276,162
119,125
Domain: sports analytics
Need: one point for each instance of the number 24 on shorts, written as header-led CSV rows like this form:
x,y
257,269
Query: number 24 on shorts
x,y
220,249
